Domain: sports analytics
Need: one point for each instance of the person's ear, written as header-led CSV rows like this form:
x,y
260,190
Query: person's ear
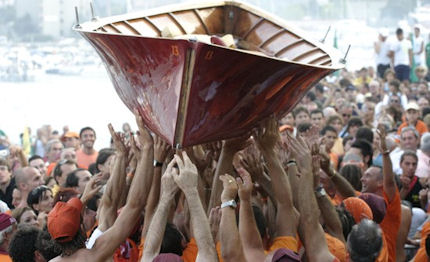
x,y
38,257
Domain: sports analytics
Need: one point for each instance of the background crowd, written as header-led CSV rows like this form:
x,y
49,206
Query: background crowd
x,y
343,177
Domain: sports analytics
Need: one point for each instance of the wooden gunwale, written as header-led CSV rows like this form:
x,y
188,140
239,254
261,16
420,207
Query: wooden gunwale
x,y
131,27
305,54
285,48
176,21
196,12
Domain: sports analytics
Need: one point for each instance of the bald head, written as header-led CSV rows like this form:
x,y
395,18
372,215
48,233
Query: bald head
x,y
27,178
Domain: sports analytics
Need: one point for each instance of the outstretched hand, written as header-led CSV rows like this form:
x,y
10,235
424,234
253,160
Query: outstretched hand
x,y
230,188
382,137
168,184
245,185
144,136
118,140
267,136
91,188
300,151
188,175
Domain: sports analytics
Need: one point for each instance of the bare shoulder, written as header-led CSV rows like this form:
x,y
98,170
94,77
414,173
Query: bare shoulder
x,y
82,254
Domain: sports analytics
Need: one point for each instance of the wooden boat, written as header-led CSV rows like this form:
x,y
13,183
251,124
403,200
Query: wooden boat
x,y
191,92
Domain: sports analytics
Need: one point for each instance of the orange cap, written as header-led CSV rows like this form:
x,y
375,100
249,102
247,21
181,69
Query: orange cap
x,y
71,134
358,208
64,220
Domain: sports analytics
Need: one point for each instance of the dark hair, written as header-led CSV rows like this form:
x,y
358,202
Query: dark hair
x,y
303,127
399,31
319,88
17,213
4,162
36,195
47,247
85,129
346,140
69,247
354,121
352,173
23,244
395,83
365,149
65,194
72,179
426,111
34,157
408,153
92,202
103,156
346,219
317,111
327,129
92,168
298,110
57,170
365,241
428,245
364,133
344,82
172,240
311,95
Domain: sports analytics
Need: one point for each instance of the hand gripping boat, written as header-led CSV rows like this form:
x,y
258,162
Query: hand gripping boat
x,y
191,87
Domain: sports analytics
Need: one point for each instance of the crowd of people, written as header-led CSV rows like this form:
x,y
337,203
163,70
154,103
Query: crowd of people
x,y
343,177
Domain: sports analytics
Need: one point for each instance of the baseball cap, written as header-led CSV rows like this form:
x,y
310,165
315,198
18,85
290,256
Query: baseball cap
x,y
376,204
285,255
5,221
64,220
358,208
71,134
412,105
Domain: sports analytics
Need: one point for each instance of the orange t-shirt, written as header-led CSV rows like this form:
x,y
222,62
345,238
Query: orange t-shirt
x,y
132,253
286,242
190,252
383,254
337,248
421,255
85,160
391,223
421,127
5,258
334,160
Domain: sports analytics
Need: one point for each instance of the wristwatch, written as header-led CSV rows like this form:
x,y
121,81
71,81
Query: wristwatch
x,y
320,192
157,164
230,203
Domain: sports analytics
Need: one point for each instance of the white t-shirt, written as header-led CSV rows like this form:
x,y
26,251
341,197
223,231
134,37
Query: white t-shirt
x,y
401,51
416,48
94,236
382,58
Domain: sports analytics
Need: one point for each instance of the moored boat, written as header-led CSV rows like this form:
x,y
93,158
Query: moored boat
x,y
191,89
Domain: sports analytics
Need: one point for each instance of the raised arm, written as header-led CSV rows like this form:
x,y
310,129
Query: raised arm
x,y
231,246
251,240
313,234
287,217
161,150
115,184
225,166
158,223
136,200
389,182
187,182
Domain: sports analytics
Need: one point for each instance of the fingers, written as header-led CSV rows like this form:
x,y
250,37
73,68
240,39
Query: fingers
x,y
169,168
112,131
179,162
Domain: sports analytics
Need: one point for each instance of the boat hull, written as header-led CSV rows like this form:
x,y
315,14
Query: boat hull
x,y
191,93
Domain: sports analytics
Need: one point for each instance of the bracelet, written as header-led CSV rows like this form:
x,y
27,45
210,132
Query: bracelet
x,y
157,164
386,152
291,162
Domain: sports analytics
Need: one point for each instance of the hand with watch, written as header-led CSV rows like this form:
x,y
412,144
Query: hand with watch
x,y
161,150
